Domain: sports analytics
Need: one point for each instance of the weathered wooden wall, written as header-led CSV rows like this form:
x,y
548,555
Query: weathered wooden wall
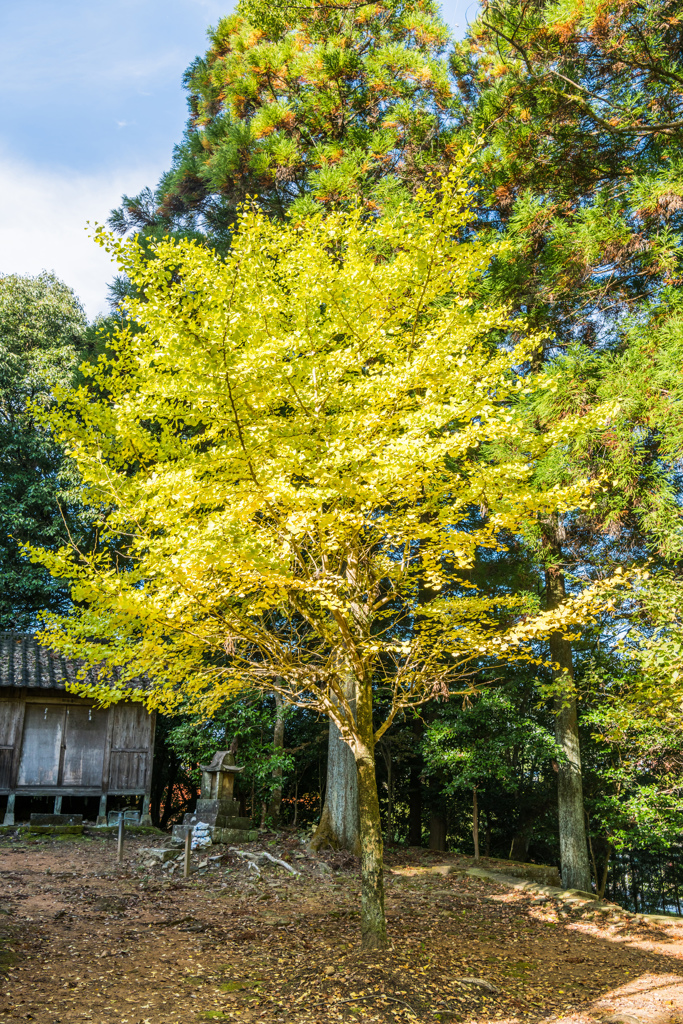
x,y
53,743
132,738
11,719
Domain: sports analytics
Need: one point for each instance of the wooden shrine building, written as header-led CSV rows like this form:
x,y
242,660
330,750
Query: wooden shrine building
x,y
59,747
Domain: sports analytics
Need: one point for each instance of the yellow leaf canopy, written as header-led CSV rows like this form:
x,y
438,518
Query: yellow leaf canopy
x,y
291,451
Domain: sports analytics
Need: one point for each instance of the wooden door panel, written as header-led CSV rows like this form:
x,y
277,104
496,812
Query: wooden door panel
x,y
41,745
132,725
11,714
128,770
86,733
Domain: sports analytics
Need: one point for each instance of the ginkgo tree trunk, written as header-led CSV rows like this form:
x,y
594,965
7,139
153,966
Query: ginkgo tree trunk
x,y
287,448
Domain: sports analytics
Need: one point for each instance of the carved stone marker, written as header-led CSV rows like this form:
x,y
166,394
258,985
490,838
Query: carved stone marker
x,y
217,806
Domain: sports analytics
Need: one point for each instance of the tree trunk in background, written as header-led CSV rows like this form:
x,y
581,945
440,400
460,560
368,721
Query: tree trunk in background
x,y
572,825
163,820
278,744
385,747
601,876
519,848
437,832
415,808
475,823
415,793
524,829
296,802
339,822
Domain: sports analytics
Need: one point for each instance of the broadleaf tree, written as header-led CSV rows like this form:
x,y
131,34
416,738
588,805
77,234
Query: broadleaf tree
x,y
43,336
295,440
306,106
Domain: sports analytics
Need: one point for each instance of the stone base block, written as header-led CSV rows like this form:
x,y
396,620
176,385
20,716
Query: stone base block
x,y
217,812
216,820
56,830
56,819
178,834
159,854
218,806
234,836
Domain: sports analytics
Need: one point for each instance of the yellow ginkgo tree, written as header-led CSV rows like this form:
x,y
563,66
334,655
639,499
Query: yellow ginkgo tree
x,y
292,453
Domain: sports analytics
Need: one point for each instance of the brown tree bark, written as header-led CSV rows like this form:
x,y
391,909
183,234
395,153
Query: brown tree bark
x,y
373,920
574,861
415,792
475,823
437,832
278,744
339,825
296,803
415,808
519,847
605,849
385,747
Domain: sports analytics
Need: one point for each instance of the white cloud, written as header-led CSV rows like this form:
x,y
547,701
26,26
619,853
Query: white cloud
x,y
43,217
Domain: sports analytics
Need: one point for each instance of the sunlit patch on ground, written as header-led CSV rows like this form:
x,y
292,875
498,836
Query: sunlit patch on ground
x,y
137,945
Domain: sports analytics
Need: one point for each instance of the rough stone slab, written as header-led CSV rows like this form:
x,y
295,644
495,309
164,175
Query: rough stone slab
x,y
432,869
234,835
56,819
56,830
217,807
160,853
580,894
544,874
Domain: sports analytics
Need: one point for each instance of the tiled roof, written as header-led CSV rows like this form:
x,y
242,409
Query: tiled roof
x,y
23,662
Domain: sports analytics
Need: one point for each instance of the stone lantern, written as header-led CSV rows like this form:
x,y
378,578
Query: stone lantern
x,y
217,806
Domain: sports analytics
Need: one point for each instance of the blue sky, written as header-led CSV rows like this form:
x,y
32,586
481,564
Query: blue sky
x,y
92,105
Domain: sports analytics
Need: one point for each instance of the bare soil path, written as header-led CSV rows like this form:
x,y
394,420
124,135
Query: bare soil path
x,y
87,940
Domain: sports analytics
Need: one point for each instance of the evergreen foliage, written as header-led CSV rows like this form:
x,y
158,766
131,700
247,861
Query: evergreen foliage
x,y
43,335
305,108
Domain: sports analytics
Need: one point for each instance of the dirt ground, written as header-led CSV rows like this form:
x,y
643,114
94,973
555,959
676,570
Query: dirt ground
x,y
87,940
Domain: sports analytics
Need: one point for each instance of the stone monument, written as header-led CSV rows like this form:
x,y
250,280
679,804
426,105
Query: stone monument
x,y
217,806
